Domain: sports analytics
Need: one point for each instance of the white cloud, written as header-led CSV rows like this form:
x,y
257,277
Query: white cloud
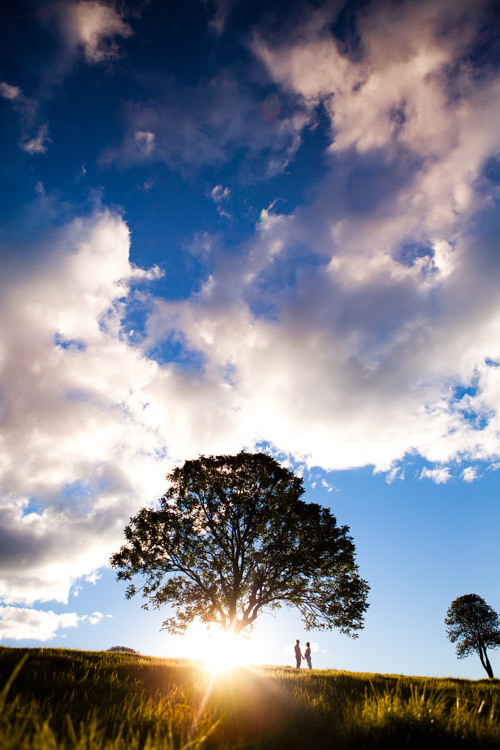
x,y
328,486
96,617
37,144
145,140
9,92
31,140
220,196
396,472
93,577
348,370
22,623
359,360
469,474
440,475
72,429
93,26
86,415
354,357
397,96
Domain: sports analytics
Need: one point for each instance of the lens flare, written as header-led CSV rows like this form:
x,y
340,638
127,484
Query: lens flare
x,y
219,650
271,108
227,652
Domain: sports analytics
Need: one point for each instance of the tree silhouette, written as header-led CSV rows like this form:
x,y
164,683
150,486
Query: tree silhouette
x,y
231,539
474,626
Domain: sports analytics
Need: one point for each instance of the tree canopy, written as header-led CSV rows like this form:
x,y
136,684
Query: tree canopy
x,y
474,626
231,539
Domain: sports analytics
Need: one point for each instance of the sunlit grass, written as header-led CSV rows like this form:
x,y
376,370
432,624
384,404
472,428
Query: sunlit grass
x,y
62,700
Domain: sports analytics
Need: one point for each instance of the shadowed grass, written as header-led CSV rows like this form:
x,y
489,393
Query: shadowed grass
x,y
53,699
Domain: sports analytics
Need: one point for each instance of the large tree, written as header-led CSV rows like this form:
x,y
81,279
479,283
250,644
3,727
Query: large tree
x,y
474,626
231,539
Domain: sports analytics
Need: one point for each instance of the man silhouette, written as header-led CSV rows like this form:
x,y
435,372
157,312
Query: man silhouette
x,y
298,654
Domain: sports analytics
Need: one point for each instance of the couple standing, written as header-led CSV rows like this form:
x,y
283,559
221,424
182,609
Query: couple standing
x,y
298,654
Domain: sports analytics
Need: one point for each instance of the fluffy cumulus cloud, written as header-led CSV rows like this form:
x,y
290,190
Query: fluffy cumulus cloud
x,y
23,623
361,354
62,410
412,93
440,475
469,474
86,415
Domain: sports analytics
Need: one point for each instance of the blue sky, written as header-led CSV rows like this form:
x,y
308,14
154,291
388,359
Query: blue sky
x,y
233,225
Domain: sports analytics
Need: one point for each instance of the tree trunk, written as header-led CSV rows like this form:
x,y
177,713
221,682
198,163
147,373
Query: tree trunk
x,y
488,668
486,662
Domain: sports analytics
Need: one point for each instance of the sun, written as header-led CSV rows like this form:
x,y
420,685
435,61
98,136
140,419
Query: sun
x,y
227,652
220,651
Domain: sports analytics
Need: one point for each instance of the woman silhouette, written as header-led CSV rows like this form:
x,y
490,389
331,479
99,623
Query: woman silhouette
x,y
307,655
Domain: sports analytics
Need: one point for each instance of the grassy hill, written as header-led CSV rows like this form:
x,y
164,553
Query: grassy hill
x,y
55,699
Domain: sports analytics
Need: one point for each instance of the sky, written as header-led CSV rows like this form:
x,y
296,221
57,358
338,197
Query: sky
x,y
234,224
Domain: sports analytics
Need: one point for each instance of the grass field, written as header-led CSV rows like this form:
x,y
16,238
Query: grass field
x,y
54,699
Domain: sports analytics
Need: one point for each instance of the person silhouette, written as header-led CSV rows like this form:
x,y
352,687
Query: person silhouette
x,y
298,653
307,655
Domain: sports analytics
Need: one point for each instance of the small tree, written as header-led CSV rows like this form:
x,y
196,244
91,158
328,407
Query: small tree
x,y
231,539
475,626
